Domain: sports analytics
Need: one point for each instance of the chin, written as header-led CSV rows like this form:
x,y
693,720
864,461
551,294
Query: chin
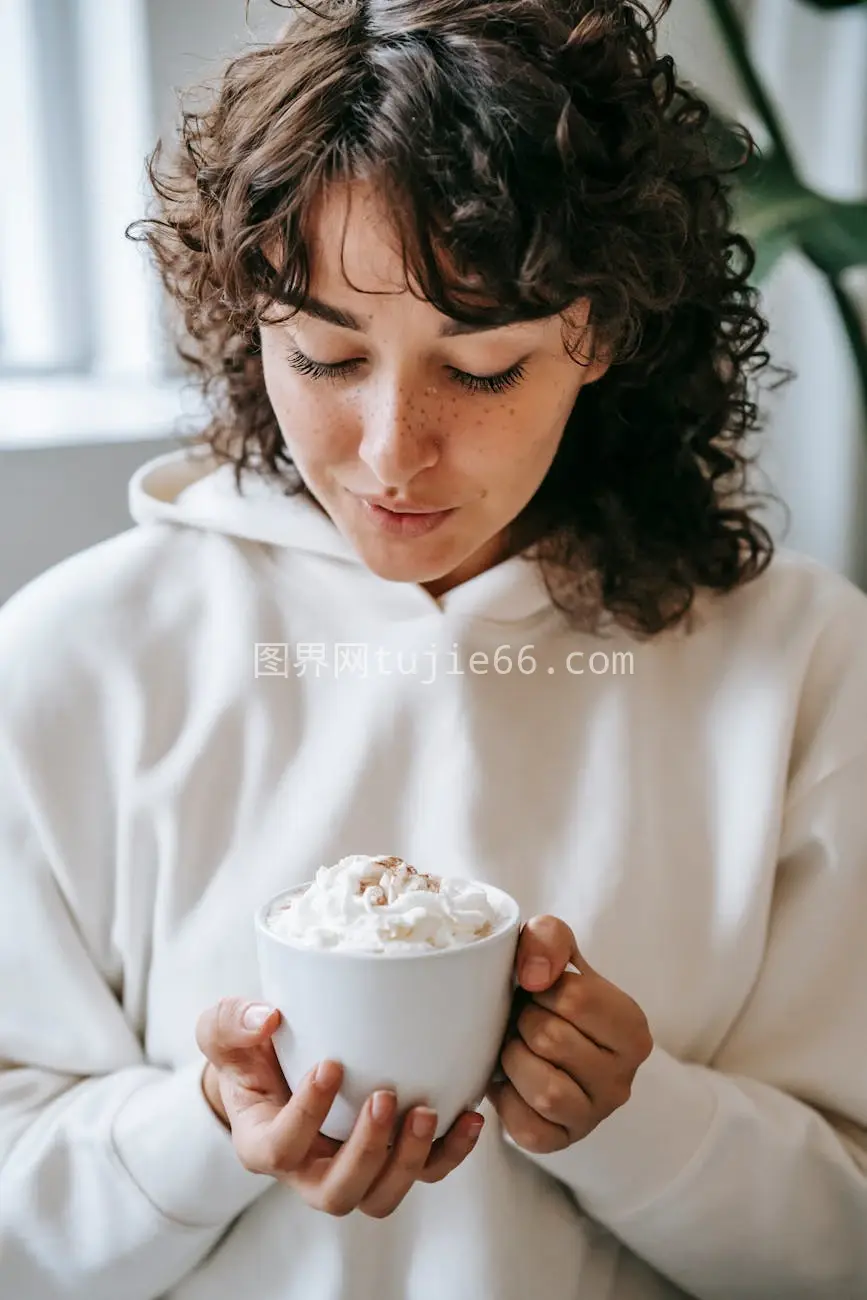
x,y
393,569
398,563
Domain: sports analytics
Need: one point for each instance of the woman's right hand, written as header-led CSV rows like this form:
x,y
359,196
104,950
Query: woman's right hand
x,y
276,1132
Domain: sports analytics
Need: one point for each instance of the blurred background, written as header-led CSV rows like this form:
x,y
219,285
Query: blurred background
x,y
89,389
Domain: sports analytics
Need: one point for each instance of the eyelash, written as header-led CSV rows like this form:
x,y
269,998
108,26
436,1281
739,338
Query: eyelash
x,y
473,383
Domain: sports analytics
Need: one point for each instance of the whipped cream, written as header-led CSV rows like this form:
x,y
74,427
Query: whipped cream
x,y
381,904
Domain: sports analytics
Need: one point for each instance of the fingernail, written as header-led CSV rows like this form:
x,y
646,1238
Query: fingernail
x,y
256,1015
474,1128
537,970
423,1123
382,1107
326,1074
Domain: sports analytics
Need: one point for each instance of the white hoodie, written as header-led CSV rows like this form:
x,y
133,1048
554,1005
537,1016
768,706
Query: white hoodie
x,y
699,822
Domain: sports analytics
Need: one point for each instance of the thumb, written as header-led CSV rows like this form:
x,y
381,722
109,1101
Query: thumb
x,y
227,1031
545,948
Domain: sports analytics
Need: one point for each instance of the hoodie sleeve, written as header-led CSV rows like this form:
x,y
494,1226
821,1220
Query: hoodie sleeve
x,y
116,1178
747,1176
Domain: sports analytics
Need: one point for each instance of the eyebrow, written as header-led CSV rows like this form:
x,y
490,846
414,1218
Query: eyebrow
x,y
335,316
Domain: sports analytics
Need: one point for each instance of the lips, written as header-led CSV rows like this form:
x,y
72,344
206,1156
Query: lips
x,y
406,524
405,509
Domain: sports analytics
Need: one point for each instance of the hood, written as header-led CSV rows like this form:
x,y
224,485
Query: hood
x,y
190,488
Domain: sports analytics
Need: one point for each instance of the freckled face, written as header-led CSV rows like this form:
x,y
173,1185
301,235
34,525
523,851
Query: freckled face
x,y
398,409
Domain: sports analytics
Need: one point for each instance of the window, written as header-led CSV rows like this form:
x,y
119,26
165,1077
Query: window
x,y
82,352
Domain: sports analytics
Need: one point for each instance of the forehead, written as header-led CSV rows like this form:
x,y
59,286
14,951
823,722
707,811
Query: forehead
x,y
358,278
352,237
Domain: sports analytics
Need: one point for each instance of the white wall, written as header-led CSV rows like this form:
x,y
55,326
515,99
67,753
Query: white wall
x,y
189,40
55,502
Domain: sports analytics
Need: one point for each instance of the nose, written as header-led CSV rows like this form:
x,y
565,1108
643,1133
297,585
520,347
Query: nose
x,y
399,440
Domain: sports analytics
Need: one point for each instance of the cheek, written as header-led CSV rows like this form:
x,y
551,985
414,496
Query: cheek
x,y
528,434
317,427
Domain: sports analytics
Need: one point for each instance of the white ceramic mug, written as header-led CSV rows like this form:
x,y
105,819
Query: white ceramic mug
x,y
428,1024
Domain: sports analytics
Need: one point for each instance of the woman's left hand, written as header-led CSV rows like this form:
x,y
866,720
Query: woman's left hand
x,y
578,1043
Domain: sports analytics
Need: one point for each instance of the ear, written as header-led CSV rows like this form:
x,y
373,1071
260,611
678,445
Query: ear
x,y
599,366
594,361
600,358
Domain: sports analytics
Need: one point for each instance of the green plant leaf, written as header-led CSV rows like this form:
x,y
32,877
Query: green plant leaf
x,y
772,205
776,211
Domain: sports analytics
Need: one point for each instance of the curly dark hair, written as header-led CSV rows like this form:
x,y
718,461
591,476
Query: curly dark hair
x,y
532,152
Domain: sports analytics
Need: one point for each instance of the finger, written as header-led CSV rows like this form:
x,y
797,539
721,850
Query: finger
x,y
521,1122
361,1159
405,1165
548,1091
559,1043
546,946
601,1011
453,1147
276,1140
226,1031
235,1036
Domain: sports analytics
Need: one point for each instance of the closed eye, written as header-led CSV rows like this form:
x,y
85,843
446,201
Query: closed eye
x,y
319,370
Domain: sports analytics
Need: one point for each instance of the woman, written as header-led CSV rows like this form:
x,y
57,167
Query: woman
x,y
465,569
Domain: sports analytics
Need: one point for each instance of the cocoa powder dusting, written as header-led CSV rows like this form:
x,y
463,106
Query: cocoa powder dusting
x,y
401,869
394,864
